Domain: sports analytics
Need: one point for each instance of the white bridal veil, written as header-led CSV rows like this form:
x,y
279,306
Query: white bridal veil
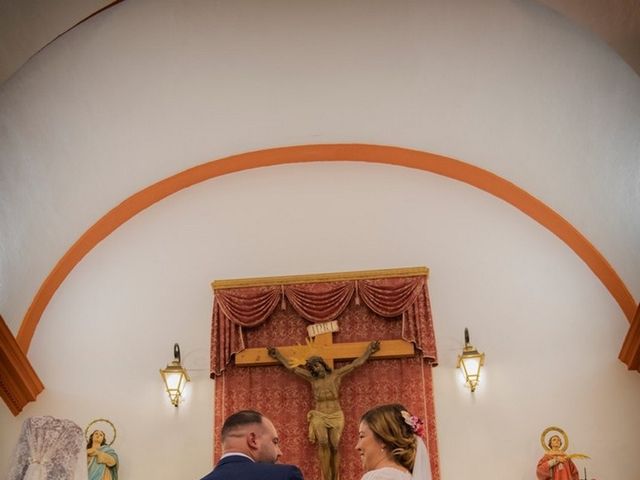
x,y
421,467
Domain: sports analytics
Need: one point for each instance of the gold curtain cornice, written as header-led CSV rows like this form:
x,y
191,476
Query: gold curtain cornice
x,y
319,277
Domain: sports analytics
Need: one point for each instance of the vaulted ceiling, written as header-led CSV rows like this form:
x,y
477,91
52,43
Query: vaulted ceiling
x,y
27,26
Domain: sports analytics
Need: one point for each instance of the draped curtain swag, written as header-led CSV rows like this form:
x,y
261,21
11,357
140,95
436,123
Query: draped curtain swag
x,y
249,307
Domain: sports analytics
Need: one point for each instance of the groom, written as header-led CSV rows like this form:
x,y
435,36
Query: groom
x,y
250,450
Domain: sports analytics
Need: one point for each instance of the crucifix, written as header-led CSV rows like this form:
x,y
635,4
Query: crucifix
x,y
326,420
320,343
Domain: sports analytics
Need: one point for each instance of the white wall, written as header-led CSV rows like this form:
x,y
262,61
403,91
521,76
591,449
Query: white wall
x,y
148,89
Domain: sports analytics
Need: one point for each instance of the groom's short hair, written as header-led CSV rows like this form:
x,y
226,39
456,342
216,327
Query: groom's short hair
x,y
239,419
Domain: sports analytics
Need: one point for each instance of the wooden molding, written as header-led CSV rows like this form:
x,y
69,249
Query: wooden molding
x,y
319,277
630,353
19,383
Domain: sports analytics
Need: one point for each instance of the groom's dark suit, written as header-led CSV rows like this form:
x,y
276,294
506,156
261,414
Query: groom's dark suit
x,y
239,467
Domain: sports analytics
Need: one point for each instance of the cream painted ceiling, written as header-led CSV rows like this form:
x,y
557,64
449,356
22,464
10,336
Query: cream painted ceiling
x,y
27,26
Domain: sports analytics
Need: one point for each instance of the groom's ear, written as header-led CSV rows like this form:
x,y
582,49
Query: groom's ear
x,y
252,440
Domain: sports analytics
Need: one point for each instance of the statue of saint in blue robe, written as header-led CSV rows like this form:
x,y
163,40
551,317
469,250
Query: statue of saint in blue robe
x,y
102,460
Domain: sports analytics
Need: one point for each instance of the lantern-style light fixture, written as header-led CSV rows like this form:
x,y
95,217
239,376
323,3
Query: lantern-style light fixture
x,y
470,361
175,377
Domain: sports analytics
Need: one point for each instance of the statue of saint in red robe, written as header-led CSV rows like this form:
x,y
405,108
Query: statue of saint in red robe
x,y
555,464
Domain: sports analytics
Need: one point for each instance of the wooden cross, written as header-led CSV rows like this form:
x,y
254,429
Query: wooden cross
x,y
324,347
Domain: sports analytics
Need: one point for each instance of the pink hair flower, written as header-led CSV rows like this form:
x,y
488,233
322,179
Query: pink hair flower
x,y
417,425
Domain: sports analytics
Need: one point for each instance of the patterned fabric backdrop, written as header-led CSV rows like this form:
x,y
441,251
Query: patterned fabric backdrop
x,y
286,398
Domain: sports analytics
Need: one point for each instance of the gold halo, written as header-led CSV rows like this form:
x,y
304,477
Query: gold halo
x,y
565,443
97,420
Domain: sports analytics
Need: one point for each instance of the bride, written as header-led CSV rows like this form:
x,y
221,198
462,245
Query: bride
x,y
390,445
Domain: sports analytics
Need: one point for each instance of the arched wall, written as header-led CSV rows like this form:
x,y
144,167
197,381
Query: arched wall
x,y
148,89
441,165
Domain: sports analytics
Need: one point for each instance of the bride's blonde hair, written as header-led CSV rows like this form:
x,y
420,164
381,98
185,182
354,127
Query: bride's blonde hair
x,y
388,425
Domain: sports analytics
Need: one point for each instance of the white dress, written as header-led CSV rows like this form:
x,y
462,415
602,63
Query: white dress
x,y
386,473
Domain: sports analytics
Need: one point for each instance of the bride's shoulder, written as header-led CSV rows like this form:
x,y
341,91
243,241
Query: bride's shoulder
x,y
386,474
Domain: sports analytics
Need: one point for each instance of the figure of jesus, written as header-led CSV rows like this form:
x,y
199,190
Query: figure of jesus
x,y
326,420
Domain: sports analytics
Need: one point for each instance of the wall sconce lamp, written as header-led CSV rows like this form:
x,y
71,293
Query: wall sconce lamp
x,y
470,361
175,377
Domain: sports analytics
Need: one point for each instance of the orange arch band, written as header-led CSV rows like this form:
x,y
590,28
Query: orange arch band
x,y
427,162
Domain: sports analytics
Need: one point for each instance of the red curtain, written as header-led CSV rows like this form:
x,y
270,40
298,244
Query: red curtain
x,y
371,309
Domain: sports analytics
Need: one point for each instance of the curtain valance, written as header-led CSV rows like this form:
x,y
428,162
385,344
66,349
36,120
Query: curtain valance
x,y
250,307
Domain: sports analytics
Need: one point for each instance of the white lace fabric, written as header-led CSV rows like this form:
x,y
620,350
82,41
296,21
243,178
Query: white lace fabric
x,y
49,449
